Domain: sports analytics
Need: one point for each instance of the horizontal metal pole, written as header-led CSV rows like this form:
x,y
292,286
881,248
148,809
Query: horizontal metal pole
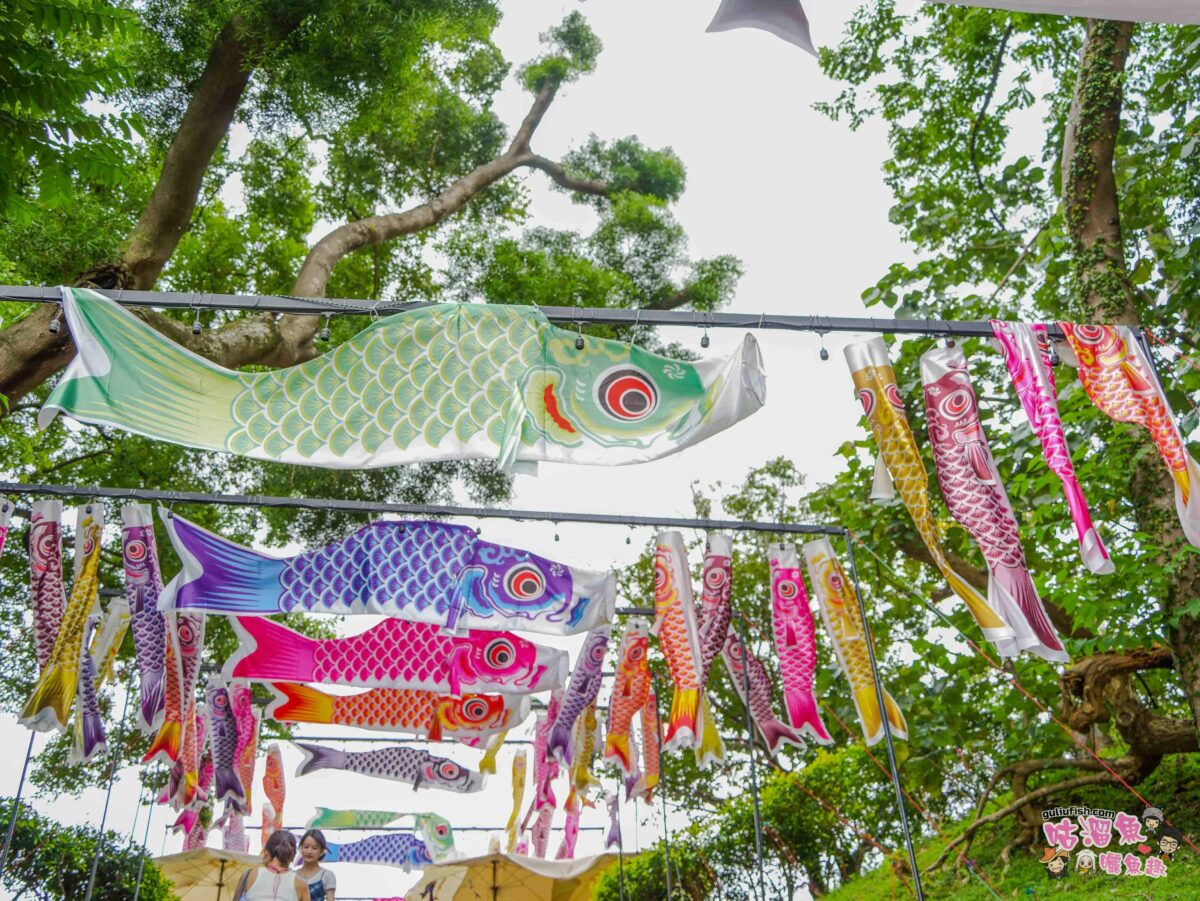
x,y
390,739
409,828
311,503
574,315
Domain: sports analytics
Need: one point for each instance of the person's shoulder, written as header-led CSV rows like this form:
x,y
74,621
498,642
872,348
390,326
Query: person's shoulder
x,y
328,878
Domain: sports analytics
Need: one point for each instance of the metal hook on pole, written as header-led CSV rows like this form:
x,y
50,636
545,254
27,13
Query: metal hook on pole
x,y
887,729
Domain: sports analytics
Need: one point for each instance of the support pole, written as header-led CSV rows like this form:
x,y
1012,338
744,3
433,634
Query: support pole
x,y
16,805
887,729
662,790
758,850
621,840
137,891
113,753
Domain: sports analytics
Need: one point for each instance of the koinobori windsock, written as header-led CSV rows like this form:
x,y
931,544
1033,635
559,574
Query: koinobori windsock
x,y
445,382
392,849
648,780
976,498
847,633
6,512
677,631
582,691
422,571
274,784
520,768
900,469
189,639
46,576
106,644
744,667
630,690
49,705
89,738
400,710
1121,380
415,766
1027,355
223,734
795,642
397,654
143,585
241,699
326,818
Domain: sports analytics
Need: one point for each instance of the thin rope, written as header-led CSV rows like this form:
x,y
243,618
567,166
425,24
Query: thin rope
x,y
972,867
1013,679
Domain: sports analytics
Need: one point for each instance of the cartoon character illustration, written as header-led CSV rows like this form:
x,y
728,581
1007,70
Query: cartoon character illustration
x,y
1152,819
1085,861
1055,861
1169,840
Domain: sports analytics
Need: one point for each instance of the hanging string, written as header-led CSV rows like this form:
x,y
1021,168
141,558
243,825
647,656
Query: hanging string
x,y
1011,678
971,866
862,833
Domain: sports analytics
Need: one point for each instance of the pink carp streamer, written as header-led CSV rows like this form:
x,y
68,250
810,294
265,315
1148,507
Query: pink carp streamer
x,y
976,498
795,642
1027,356
1120,379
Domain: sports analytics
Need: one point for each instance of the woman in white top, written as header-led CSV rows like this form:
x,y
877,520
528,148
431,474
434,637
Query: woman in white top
x,y
274,881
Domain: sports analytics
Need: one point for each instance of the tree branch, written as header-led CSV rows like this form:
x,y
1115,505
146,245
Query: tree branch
x,y
997,65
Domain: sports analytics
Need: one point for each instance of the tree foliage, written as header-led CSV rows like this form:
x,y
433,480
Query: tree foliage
x,y
52,862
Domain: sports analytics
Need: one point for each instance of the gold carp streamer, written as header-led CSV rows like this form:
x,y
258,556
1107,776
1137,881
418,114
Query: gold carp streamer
x,y
519,766
875,384
839,611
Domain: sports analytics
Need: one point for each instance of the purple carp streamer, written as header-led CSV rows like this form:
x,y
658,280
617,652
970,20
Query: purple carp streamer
x,y
428,572
1027,356
582,691
46,576
143,585
977,500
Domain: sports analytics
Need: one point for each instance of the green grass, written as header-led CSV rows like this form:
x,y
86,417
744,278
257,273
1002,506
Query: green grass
x,y
1175,787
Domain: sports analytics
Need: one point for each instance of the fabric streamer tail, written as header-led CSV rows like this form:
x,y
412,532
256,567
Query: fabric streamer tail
x,y
268,650
49,707
805,717
1013,591
618,746
319,758
1091,547
299,703
682,726
229,785
488,763
710,748
777,734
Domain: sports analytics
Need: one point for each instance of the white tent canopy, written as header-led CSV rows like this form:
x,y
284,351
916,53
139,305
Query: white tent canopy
x,y
511,877
1182,12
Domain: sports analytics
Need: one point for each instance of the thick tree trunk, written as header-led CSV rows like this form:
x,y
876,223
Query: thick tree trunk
x,y
1105,294
29,352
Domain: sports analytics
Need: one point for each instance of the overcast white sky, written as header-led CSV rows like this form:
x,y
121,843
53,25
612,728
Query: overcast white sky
x,y
797,198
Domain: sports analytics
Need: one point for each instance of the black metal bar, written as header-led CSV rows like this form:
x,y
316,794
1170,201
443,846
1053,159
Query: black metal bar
x,y
137,891
311,503
575,315
113,753
409,828
887,729
16,805
662,788
758,851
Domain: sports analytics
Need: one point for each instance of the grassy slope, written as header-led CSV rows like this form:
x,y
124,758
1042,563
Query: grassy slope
x,y
1175,787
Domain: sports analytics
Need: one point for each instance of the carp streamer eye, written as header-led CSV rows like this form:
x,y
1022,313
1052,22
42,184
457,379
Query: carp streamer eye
x,y
441,831
1090,334
597,651
45,542
956,403
714,578
525,583
475,710
637,652
788,590
499,654
448,769
627,394
220,700
135,551
835,582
